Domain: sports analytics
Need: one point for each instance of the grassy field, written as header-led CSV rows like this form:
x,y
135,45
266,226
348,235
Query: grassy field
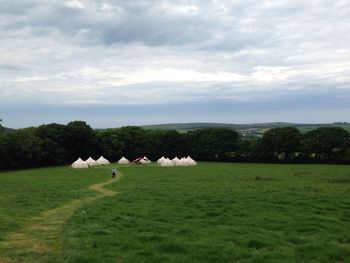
x,y
209,213
25,194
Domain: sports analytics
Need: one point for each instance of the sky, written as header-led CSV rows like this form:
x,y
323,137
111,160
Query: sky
x,y
134,62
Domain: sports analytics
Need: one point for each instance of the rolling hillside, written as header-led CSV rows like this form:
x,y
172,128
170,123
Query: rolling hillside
x,y
253,129
5,129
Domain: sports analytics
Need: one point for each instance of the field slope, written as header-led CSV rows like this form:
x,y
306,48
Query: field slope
x,y
209,213
259,127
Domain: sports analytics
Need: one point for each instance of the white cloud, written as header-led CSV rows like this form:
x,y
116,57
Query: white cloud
x,y
106,8
268,74
74,4
179,9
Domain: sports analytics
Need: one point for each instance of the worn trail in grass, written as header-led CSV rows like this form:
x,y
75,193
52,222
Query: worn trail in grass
x,y
40,238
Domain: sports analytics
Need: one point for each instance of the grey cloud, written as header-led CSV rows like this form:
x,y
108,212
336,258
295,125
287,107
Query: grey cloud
x,y
11,68
225,25
146,22
17,7
46,46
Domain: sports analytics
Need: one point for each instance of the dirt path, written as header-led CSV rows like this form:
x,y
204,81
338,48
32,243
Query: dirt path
x,y
41,237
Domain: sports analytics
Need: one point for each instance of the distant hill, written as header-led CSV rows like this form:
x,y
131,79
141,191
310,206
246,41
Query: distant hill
x,y
6,130
246,130
253,129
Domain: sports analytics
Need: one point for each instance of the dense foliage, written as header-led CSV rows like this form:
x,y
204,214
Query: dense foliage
x,y
56,144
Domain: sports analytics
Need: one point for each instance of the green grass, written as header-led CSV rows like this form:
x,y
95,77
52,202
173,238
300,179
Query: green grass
x,y
209,213
218,213
25,194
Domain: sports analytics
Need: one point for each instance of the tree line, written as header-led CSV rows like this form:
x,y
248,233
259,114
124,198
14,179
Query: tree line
x,y
57,144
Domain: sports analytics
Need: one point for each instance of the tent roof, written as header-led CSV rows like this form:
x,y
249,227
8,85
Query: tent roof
x,y
79,164
123,160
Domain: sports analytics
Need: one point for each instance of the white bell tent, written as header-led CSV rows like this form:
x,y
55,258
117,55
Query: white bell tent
x,y
102,161
167,162
160,160
175,160
79,164
190,161
91,162
123,160
145,160
182,162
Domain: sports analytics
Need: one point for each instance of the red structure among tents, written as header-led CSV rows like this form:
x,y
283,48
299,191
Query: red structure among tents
x,y
141,160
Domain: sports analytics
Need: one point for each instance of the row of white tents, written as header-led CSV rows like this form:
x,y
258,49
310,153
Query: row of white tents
x,y
78,164
188,161
91,162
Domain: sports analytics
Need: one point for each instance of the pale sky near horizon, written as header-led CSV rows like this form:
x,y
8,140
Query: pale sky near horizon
x,y
114,63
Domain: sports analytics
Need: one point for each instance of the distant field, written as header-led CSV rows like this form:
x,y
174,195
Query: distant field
x,y
307,128
209,213
254,129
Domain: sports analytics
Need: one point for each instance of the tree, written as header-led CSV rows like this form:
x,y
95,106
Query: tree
x,y
260,151
2,152
172,144
2,129
22,149
284,141
244,150
54,138
214,144
326,142
110,143
134,142
81,140
155,143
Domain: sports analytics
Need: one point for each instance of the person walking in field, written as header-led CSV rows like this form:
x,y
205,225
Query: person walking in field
x,y
114,171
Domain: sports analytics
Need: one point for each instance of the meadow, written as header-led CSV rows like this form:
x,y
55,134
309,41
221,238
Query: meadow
x,y
213,212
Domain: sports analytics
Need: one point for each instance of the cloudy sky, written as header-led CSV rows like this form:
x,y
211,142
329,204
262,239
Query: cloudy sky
x,y
122,62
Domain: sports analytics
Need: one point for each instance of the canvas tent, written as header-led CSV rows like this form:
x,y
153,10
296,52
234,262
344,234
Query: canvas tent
x,y
79,164
182,162
123,160
142,160
91,162
190,161
160,160
145,160
102,161
167,162
175,160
